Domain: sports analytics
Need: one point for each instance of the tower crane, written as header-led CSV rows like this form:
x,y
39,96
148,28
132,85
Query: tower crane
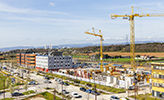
x,y
132,35
132,32
101,39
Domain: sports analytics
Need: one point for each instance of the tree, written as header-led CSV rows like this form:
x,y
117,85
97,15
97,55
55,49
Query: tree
x,y
26,84
17,81
11,89
7,82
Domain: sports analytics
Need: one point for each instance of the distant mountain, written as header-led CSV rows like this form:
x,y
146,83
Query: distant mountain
x,y
68,45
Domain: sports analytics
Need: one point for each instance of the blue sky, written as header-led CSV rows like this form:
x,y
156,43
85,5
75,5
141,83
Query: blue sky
x,y
40,22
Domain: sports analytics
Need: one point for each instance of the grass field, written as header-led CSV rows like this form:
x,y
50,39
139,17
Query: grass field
x,y
28,92
80,56
46,95
145,97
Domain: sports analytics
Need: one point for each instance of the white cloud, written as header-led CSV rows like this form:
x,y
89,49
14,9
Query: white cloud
x,y
51,4
10,9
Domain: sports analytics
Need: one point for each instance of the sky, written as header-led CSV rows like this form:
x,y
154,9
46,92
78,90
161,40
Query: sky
x,y
56,22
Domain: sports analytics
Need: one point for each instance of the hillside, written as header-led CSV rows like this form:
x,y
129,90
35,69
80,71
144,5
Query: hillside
x,y
146,47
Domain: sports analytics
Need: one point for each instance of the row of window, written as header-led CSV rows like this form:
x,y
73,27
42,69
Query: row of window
x,y
54,65
30,59
158,76
158,84
62,62
158,94
158,67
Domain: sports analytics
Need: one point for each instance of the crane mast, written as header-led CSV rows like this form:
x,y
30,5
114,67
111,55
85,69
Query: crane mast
x,y
132,36
101,39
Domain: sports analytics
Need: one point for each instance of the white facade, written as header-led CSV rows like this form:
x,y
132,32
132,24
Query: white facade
x,y
42,61
53,62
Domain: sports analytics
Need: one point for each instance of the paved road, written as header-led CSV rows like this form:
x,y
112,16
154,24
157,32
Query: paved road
x,y
40,88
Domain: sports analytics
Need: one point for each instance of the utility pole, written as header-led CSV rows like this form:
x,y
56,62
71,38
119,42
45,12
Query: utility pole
x,y
95,88
54,94
62,88
4,89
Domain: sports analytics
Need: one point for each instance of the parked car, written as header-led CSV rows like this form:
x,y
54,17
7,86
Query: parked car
x,y
114,98
95,92
75,95
66,84
82,89
89,91
46,78
47,81
17,94
32,83
131,88
65,92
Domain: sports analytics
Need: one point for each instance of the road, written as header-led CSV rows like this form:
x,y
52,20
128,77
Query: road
x,y
41,88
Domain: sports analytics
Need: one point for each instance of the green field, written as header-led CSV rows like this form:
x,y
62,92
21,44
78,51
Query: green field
x,y
78,56
28,92
46,95
144,97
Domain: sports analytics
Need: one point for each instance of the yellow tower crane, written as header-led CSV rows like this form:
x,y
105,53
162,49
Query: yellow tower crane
x,y
101,39
132,32
132,36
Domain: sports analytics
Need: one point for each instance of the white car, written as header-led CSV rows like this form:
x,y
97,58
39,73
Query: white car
x,y
75,95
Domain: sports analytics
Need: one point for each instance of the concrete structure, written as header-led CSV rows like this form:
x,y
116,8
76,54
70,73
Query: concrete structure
x,y
157,79
53,61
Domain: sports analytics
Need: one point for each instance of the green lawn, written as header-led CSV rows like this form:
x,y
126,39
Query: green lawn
x,y
28,92
8,99
144,97
46,95
80,56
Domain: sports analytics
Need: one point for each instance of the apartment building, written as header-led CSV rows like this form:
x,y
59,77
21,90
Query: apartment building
x,y
26,59
53,62
158,79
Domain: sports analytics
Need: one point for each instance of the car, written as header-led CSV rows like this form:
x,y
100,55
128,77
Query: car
x,y
89,85
75,95
95,92
65,92
131,88
46,78
66,84
47,81
16,94
82,89
88,91
114,98
32,83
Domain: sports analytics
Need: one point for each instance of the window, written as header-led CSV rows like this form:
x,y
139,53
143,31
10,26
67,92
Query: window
x,y
159,67
156,67
160,76
157,76
154,75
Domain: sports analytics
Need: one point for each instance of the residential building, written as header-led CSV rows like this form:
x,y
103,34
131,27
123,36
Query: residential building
x,y
158,79
26,59
53,62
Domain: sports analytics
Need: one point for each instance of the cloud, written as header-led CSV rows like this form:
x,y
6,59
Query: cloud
x,y
10,9
51,4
